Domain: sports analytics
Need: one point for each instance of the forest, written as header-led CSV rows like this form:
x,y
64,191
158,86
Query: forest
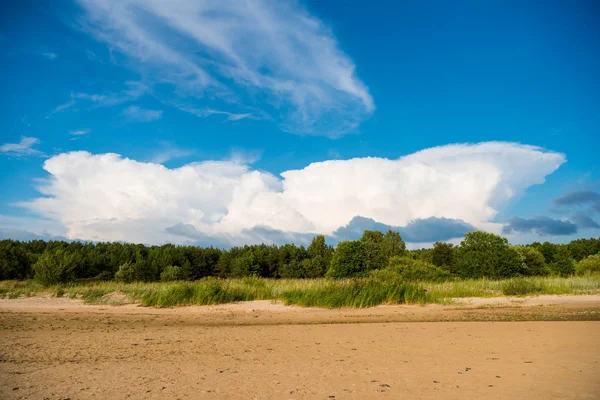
x,y
479,255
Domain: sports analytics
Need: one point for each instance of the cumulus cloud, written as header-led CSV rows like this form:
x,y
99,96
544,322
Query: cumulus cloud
x,y
239,54
540,225
138,114
108,197
23,148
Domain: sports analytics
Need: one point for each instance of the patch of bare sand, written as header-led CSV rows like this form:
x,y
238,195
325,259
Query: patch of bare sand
x,y
175,354
58,348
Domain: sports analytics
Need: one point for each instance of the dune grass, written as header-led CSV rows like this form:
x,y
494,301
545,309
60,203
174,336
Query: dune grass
x,y
328,293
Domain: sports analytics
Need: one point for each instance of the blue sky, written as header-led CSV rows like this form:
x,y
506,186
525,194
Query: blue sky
x,y
207,103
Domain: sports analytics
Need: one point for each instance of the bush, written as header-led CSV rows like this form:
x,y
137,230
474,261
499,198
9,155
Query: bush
x,y
563,264
126,273
532,261
348,260
172,273
56,266
417,270
485,254
589,265
520,287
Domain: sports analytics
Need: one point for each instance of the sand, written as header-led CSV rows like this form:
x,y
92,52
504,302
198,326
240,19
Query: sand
x,y
59,348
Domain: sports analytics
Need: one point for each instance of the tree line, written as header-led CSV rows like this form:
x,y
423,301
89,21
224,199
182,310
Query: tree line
x,y
480,254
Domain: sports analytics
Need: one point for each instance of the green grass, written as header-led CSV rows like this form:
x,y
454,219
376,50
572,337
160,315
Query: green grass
x,y
364,292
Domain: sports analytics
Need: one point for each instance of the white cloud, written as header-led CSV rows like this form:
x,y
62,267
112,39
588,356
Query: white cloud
x,y
169,151
107,197
23,148
239,53
137,114
80,132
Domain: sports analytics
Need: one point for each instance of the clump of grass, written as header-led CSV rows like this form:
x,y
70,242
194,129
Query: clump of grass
x,y
521,287
16,289
204,292
355,293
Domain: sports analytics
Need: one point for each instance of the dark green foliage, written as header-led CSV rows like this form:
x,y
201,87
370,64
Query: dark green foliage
x,y
582,248
348,260
319,258
293,269
173,273
532,262
125,273
409,269
485,254
56,266
15,260
442,255
548,249
480,254
245,265
393,245
563,263
375,256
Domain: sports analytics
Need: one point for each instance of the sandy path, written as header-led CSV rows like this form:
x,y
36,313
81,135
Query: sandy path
x,y
259,350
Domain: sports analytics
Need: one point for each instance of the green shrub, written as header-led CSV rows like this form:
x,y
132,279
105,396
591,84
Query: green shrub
x,y
417,270
56,266
348,260
172,273
563,263
520,287
589,265
126,273
532,261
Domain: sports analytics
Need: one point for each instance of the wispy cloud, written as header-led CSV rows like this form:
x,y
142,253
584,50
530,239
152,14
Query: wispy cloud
x,y
91,55
207,112
23,148
272,55
245,157
170,151
62,107
80,132
133,90
50,56
137,114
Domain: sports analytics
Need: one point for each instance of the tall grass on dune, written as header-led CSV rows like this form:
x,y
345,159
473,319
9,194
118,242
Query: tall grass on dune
x,y
381,287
